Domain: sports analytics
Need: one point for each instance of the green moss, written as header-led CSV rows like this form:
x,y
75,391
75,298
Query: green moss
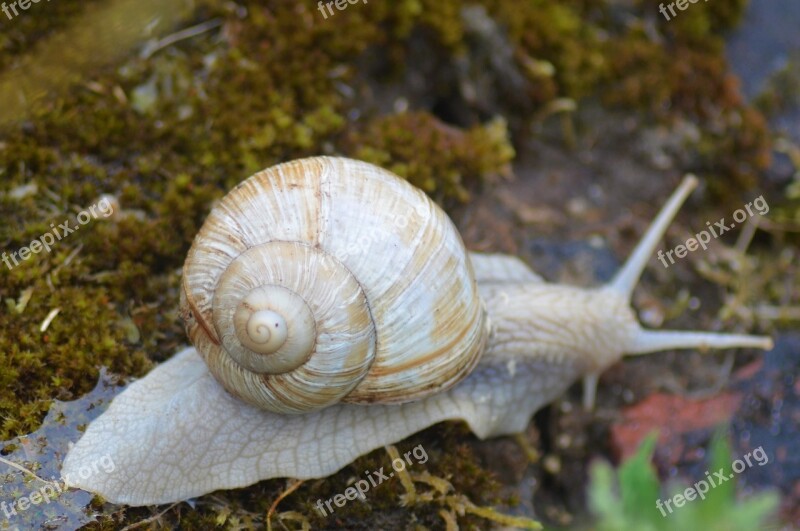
x,y
439,159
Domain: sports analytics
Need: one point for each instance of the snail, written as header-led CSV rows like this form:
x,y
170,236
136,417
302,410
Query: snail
x,y
334,309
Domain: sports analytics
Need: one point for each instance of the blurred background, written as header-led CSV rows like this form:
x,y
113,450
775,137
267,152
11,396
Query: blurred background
x,y
553,130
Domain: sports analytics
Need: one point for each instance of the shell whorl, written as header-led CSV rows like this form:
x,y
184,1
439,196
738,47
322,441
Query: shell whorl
x,y
366,279
261,324
294,281
262,331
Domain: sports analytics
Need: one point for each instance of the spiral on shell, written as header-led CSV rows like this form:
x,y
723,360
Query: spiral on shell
x,y
302,289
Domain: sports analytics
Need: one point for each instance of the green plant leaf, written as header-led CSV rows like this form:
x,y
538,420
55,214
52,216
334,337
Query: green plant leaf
x,y
639,484
627,499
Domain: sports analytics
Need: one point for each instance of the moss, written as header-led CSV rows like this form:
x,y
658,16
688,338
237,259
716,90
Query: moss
x,y
441,160
559,33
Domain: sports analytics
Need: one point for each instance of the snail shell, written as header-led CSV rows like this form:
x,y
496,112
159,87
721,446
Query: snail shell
x,y
327,279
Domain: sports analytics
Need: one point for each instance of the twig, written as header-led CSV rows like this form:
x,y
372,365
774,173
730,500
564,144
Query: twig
x,y
293,487
49,319
149,49
21,468
151,519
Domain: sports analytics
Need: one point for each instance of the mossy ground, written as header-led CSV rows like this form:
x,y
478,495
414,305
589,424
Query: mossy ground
x,y
170,133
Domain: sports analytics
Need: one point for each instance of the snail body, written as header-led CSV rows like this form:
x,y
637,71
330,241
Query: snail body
x,y
311,251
